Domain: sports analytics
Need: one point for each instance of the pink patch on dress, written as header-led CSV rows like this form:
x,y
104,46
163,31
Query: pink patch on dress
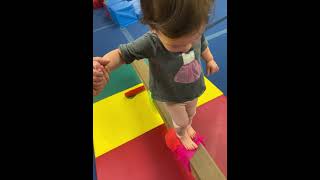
x,y
188,73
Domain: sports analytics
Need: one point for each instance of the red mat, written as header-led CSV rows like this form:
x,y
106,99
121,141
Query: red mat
x,y
148,158
211,122
144,158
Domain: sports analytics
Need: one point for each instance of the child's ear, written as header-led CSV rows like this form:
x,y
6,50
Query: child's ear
x,y
154,31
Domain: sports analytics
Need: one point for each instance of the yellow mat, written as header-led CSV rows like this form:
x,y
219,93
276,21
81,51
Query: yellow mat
x,y
117,119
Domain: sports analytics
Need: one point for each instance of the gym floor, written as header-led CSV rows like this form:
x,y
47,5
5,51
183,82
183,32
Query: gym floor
x,y
131,144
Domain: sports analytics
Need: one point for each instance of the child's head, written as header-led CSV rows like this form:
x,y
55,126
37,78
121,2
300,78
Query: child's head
x,y
178,23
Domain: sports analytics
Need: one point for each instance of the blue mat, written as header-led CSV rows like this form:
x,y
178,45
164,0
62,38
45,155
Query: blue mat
x,y
106,40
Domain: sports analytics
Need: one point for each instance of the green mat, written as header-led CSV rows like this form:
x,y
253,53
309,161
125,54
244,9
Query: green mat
x,y
120,79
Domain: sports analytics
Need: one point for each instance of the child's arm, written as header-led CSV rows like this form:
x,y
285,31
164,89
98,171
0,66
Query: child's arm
x,y
142,47
206,55
112,60
211,65
125,54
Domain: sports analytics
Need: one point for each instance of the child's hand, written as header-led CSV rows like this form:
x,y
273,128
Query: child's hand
x,y
212,67
100,76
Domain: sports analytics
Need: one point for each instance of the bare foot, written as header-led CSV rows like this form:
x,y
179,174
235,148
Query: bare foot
x,y
187,142
191,132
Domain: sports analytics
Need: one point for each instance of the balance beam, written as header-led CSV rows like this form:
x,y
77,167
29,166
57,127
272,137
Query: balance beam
x,y
202,165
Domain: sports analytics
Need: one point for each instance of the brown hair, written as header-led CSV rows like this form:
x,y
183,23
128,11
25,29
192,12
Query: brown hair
x,y
175,18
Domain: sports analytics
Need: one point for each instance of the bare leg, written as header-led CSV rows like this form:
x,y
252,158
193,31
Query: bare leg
x,y
181,120
191,107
